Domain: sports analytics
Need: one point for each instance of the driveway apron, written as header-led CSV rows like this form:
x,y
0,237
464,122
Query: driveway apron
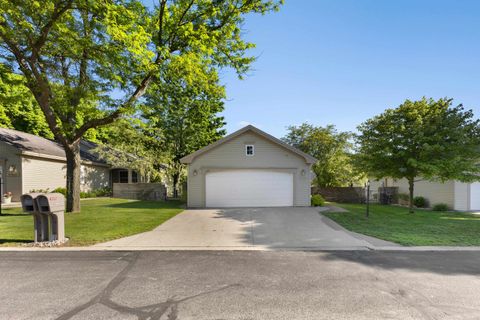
x,y
244,229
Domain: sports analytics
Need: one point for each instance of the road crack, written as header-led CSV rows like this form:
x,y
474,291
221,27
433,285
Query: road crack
x,y
168,308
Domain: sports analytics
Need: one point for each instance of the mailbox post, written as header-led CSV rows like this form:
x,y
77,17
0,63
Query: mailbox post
x,y
53,205
40,221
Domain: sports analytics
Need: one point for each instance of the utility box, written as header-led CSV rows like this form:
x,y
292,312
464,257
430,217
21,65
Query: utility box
x,y
48,215
53,205
40,221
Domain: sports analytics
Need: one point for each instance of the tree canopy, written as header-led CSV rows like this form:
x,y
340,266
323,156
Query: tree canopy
x,y
182,111
428,138
18,108
334,167
87,62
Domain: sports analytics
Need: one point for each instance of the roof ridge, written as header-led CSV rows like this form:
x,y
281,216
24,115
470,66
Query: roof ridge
x,y
189,158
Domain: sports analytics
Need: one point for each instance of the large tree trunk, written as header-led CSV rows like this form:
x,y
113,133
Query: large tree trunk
x,y
410,189
72,153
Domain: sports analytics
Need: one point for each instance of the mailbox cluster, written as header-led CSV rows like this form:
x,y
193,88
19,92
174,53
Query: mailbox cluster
x,y
48,215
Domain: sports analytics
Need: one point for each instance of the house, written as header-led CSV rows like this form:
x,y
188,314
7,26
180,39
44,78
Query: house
x,y
248,168
29,162
457,195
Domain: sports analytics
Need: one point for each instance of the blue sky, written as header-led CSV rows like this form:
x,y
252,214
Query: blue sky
x,y
343,61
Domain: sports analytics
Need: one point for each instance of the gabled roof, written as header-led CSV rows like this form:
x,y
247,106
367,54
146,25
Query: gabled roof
x,y
308,158
31,144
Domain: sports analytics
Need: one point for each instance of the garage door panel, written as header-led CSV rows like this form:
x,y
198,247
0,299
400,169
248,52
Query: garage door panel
x,y
475,196
248,188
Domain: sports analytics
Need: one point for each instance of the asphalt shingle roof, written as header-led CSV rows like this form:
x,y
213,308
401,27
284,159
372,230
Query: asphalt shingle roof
x,y
28,142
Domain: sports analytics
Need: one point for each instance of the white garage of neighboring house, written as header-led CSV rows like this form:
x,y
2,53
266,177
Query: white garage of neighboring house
x,y
249,168
457,195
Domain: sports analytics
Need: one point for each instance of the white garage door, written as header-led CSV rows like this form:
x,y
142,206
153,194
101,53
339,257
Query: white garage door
x,y
249,188
475,196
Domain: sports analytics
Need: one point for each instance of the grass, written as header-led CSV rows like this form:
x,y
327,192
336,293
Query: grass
x,y
100,220
422,228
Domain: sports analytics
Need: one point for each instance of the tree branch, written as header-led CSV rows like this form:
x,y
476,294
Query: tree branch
x,y
57,13
140,91
160,22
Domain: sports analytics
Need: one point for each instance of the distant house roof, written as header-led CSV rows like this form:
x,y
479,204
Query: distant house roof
x,y
189,158
34,145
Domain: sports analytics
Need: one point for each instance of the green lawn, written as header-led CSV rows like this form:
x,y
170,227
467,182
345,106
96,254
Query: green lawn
x,y
100,220
423,228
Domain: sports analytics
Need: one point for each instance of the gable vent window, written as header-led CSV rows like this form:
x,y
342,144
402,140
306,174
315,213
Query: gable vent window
x,y
250,150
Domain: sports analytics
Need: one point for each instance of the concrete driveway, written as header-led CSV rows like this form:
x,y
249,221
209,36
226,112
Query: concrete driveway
x,y
244,229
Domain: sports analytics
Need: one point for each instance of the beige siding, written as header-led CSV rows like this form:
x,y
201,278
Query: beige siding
x,y
51,174
43,174
94,177
435,192
231,154
12,183
462,199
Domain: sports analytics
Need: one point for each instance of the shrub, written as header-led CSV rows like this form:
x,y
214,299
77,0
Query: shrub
x,y
317,200
61,190
39,190
103,192
403,196
420,202
440,207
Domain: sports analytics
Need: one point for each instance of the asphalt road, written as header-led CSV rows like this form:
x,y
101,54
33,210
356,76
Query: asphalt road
x,y
240,285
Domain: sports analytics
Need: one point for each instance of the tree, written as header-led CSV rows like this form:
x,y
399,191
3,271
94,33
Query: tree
x,y
332,149
87,63
18,108
124,144
425,138
183,115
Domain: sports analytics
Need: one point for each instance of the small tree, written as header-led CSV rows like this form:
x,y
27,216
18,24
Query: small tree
x,y
426,138
332,149
182,112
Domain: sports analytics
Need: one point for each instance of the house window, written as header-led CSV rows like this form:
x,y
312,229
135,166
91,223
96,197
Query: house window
x,y
134,177
250,150
123,176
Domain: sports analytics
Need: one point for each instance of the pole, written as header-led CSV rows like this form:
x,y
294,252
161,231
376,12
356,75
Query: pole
x,y
368,199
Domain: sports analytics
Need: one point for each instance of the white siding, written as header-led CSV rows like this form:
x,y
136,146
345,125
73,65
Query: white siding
x,y
231,155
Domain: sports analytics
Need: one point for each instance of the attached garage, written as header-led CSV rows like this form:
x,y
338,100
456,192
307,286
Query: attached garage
x,y
249,188
248,168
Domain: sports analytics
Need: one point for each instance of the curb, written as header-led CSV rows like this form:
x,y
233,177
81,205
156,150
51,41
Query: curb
x,y
246,248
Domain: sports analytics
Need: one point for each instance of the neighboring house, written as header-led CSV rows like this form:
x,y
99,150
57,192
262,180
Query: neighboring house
x,y
29,162
457,195
248,168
